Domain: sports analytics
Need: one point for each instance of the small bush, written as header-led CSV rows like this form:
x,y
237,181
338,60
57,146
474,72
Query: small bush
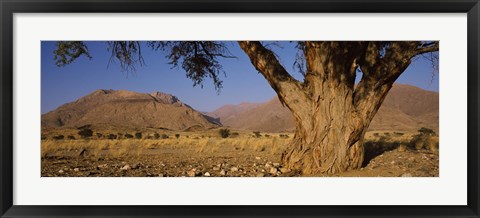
x,y
58,137
267,135
257,134
85,133
283,136
427,131
376,134
99,135
164,136
398,133
71,137
224,133
128,136
156,136
138,135
112,136
177,135
386,133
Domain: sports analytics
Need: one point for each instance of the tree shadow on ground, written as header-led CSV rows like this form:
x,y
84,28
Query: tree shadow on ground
x,y
376,148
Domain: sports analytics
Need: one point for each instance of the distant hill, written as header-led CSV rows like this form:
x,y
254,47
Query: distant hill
x,y
128,109
406,108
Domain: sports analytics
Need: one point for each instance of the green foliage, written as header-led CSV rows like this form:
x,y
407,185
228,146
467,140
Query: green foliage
x,y
199,59
68,51
85,133
164,136
156,135
284,136
257,134
112,136
177,135
71,137
138,135
128,136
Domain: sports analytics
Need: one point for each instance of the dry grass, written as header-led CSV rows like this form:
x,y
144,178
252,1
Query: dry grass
x,y
119,148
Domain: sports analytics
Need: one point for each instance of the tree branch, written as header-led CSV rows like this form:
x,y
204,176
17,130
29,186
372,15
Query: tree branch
x,y
380,72
288,89
429,47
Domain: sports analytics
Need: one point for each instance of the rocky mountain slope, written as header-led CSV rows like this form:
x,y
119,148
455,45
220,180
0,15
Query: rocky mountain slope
x,y
130,109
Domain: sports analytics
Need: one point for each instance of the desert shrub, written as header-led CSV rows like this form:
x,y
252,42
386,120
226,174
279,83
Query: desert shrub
x,y
85,133
99,135
58,137
156,135
138,135
128,136
267,135
71,137
112,136
283,136
386,133
426,131
257,134
234,135
398,133
421,141
164,136
177,135
376,134
224,133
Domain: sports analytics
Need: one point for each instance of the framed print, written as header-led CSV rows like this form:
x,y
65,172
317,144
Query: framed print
x,y
239,109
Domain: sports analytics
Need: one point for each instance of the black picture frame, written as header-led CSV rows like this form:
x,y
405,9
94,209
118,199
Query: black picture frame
x,y
9,7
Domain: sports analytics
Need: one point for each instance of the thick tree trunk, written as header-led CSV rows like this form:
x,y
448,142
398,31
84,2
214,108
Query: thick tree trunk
x,y
329,135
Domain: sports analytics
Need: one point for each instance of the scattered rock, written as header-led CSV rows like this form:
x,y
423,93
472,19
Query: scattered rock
x,y
76,169
60,171
258,158
160,175
223,173
134,166
259,175
207,174
126,167
234,169
191,173
216,168
273,170
284,170
102,166
406,175
276,164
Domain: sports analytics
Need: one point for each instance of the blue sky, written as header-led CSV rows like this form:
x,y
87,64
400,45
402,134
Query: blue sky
x,y
60,85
